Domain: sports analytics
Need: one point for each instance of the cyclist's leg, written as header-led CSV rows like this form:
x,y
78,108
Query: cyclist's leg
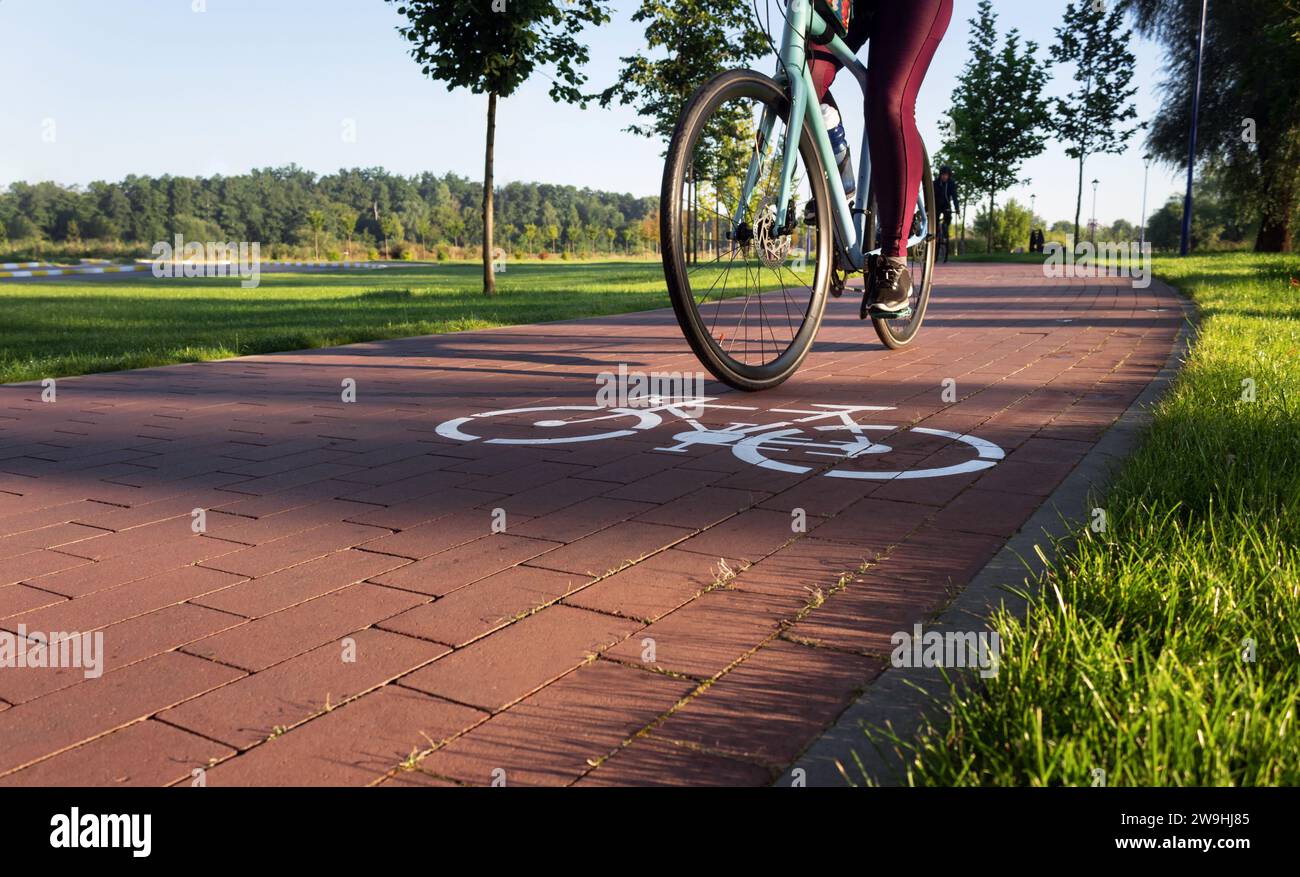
x,y
903,41
825,65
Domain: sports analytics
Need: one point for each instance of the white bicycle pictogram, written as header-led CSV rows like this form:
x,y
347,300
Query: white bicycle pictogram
x,y
759,444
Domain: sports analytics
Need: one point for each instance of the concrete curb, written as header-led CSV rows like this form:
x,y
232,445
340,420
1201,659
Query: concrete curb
x,y
903,697
86,269
115,269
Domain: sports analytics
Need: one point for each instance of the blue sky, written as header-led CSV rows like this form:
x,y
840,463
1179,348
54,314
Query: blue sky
x,y
152,86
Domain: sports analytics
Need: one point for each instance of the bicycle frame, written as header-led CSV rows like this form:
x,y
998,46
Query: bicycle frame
x,y
801,21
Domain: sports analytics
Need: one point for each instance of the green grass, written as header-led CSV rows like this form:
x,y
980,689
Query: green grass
x,y
1131,661
53,328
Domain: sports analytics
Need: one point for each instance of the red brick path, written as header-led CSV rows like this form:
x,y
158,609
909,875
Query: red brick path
x,y
645,617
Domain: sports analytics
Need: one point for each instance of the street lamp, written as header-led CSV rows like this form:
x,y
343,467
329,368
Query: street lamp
x,y
1092,226
1142,226
1032,198
1186,244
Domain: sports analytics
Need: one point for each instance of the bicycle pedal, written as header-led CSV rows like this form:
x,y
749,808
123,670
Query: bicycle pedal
x,y
874,313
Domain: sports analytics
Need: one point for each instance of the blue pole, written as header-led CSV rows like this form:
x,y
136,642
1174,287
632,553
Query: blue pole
x,y
1186,244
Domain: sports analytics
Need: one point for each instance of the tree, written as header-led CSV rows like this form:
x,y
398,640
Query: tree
x,y
998,117
316,220
486,48
1249,125
689,41
1089,120
1009,227
392,230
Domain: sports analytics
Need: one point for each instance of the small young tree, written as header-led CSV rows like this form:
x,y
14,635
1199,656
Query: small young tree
x,y
1090,119
494,46
998,117
316,219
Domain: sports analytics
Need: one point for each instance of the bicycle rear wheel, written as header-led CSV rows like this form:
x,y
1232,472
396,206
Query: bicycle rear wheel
x,y
751,302
898,333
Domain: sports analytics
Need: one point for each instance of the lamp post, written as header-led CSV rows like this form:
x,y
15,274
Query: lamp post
x,y
1092,226
1186,243
1142,226
1032,198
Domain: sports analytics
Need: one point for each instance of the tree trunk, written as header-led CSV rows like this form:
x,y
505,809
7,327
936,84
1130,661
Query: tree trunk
x,y
1274,234
990,218
489,279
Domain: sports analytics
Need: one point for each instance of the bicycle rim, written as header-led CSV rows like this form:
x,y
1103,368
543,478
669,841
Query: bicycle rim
x,y
750,298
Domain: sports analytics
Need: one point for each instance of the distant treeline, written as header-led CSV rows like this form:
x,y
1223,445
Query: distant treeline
x,y
356,211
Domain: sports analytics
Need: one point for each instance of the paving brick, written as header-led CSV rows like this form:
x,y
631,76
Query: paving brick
x,y
17,599
511,664
353,745
174,555
995,512
279,554
870,609
765,708
147,753
705,636
52,536
652,588
72,715
611,548
443,573
702,508
248,711
649,761
582,519
749,536
470,612
427,539
35,564
552,737
268,640
253,598
139,597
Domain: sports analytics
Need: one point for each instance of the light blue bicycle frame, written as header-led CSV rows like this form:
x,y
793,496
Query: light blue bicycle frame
x,y
794,74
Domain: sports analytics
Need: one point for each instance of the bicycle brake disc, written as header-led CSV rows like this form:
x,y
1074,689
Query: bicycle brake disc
x,y
772,248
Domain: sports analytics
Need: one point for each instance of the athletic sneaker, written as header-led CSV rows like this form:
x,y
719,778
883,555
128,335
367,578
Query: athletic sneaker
x,y
889,287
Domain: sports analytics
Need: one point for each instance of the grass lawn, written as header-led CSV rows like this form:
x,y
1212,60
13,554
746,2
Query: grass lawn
x,y
53,328
1131,661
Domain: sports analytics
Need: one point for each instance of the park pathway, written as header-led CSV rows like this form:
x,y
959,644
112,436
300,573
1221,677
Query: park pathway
x,y
370,600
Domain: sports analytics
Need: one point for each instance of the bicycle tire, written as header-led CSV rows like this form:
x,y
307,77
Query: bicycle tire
x,y
739,84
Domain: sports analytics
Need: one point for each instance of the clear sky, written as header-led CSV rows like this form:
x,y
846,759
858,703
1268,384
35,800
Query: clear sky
x,y
154,86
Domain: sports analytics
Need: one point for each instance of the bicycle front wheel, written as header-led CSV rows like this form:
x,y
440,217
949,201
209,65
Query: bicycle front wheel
x,y
748,291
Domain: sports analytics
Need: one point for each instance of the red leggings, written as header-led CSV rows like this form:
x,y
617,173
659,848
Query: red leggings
x,y
904,37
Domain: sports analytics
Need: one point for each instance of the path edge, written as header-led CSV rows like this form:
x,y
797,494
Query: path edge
x,y
842,755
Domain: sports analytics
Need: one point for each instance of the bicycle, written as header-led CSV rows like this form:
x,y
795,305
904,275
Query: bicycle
x,y
941,249
792,445
734,136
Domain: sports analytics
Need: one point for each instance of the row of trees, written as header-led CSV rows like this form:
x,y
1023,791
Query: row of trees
x,y
999,119
350,211
1249,121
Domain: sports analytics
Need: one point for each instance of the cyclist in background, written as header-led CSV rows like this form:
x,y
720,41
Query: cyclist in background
x,y
945,199
904,37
